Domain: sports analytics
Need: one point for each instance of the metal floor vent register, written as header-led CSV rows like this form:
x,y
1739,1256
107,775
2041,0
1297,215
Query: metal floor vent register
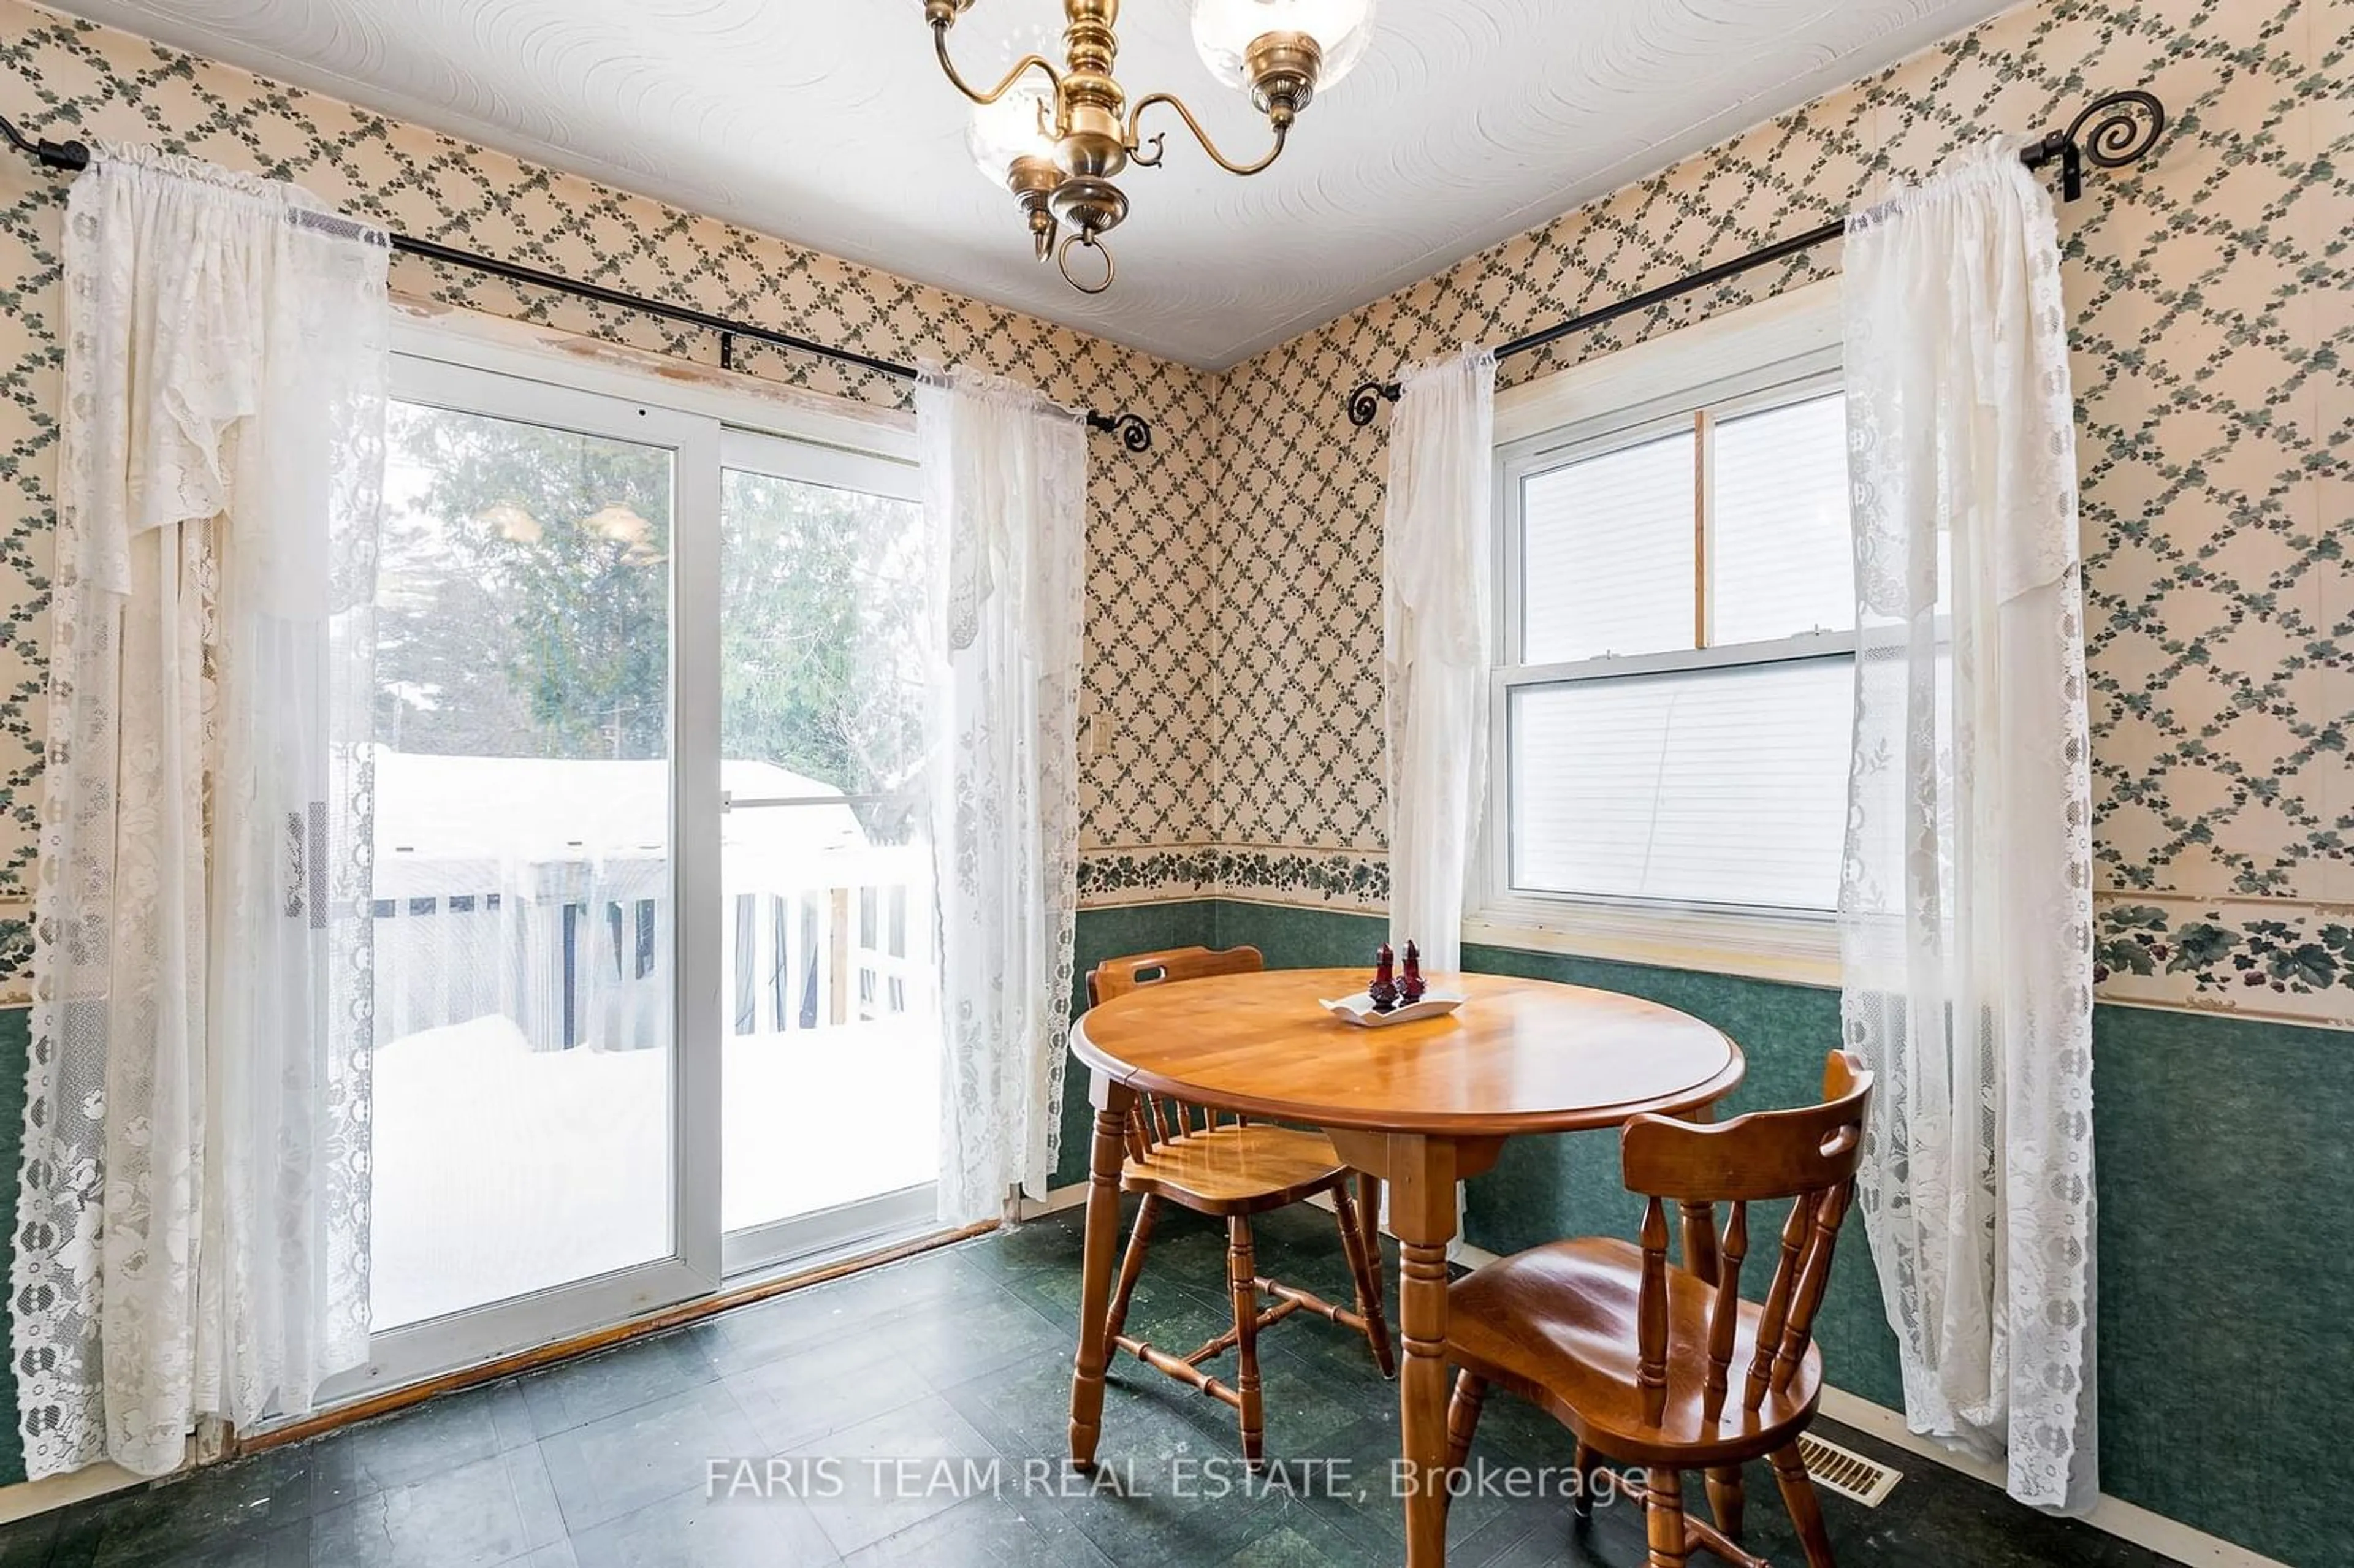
x,y
1848,1473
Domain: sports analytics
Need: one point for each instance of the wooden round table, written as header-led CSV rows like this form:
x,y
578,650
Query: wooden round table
x,y
1421,1106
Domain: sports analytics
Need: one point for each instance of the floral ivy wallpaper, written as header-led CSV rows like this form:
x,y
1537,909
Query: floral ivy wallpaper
x,y
2214,370
1141,784
1234,633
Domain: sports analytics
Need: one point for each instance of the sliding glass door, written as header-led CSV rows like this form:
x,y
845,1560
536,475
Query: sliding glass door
x,y
653,920
827,1006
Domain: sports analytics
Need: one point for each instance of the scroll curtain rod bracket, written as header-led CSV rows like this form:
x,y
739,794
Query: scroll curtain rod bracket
x,y
71,156
1134,432
2110,132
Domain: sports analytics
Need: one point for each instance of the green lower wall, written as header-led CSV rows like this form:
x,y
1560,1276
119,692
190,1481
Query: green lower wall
x,y
2226,1183
2226,1246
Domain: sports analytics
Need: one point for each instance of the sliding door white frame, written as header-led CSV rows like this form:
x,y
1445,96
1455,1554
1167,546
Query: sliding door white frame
x,y
692,1266
868,1221
707,428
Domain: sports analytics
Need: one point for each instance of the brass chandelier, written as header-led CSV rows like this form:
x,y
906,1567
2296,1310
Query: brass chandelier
x,y
1057,136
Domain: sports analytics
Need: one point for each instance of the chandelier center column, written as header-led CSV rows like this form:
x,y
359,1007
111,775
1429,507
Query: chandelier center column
x,y
1061,148
1094,133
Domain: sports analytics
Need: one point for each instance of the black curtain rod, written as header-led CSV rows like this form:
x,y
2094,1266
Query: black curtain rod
x,y
2116,137
1134,433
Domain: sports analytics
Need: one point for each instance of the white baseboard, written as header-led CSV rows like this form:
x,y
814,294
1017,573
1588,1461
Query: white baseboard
x,y
2128,1522
2113,1516
2125,1521
27,1499
1056,1200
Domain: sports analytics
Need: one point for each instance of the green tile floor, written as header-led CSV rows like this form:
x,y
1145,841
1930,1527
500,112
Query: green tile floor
x,y
961,1354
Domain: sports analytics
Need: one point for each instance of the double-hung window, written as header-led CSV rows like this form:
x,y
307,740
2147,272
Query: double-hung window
x,y
1673,696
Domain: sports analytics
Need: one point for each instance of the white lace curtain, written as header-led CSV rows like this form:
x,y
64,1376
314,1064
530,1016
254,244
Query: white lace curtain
x,y
1006,475
192,1237
1435,643
1965,898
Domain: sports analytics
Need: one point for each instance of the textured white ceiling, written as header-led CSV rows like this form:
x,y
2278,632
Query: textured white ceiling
x,y
826,121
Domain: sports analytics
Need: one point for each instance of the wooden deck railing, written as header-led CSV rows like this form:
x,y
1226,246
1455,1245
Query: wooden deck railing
x,y
577,951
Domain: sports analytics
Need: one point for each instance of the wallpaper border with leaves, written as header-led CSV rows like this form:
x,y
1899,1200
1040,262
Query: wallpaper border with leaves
x,y
1232,652
2215,395
61,77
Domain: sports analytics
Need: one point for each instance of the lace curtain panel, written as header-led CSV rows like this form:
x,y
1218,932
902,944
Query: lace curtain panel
x,y
1006,476
192,1234
1965,894
1435,625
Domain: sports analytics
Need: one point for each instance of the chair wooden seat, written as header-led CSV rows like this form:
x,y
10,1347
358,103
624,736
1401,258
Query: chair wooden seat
x,y
1669,1367
1230,1169
1237,1169
1558,1326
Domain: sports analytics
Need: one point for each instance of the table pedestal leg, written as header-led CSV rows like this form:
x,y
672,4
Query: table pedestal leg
x,y
1422,1379
1422,1171
1112,1101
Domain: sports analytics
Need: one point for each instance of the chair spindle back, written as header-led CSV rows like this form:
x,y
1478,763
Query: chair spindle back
x,y
1808,1155
1157,1119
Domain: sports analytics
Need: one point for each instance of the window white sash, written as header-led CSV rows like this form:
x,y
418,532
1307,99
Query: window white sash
x,y
1677,608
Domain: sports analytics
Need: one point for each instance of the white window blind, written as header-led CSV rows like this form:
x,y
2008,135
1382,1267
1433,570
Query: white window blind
x,y
1782,558
1607,561
1678,698
1723,786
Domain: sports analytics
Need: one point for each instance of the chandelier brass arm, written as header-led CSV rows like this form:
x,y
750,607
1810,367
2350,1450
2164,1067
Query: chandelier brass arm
x,y
1059,149
1022,66
1136,148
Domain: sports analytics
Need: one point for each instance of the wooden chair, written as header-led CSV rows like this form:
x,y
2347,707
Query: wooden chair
x,y
1637,1357
1225,1167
